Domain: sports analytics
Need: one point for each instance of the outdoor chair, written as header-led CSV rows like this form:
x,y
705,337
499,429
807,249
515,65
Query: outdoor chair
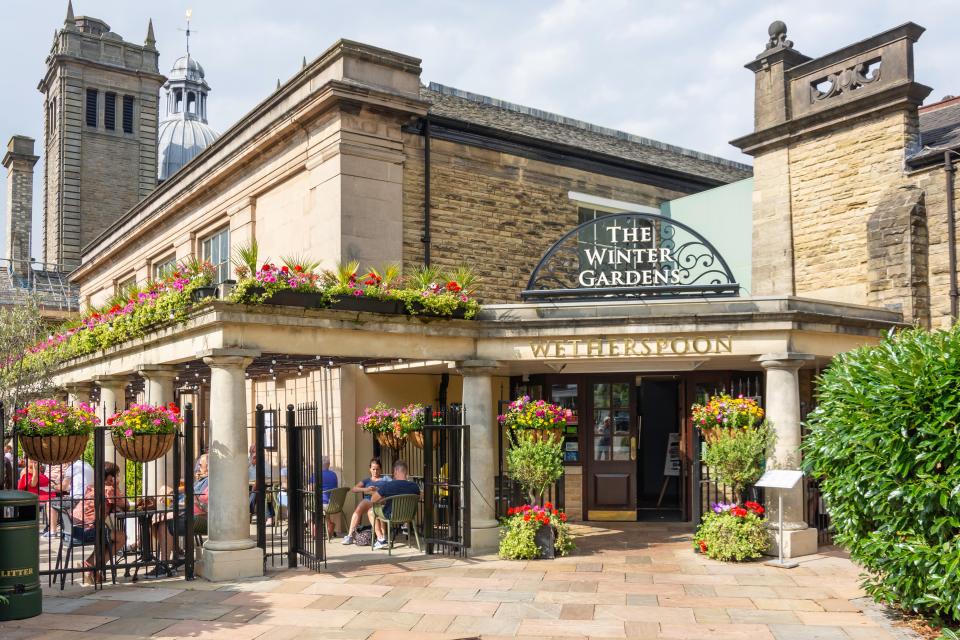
x,y
66,549
403,510
334,506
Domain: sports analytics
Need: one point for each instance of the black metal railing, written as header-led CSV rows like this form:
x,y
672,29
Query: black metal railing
x,y
446,483
507,491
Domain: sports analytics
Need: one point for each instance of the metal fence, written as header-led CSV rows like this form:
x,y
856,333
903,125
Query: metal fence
x,y
49,283
104,518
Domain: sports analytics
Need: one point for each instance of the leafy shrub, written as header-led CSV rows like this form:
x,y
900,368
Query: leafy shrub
x,y
731,532
737,457
519,529
535,464
884,443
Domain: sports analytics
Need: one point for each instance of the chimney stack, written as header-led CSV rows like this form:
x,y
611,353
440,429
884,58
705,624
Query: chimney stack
x,y
19,161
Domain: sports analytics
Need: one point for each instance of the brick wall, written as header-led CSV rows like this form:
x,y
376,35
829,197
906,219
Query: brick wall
x,y
496,212
937,273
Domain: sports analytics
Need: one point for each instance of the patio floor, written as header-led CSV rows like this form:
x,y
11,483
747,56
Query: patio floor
x,y
625,581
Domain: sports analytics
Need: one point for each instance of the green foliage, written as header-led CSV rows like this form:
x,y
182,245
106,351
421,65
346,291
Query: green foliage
x,y
725,536
884,443
948,634
737,456
22,327
246,259
535,464
133,471
518,532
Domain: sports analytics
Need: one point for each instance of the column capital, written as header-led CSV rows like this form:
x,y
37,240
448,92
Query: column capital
x,y
784,360
113,378
79,387
229,357
479,367
157,371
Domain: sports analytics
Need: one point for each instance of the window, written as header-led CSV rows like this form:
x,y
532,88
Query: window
x,y
92,107
110,111
177,100
128,114
164,267
124,286
191,102
216,250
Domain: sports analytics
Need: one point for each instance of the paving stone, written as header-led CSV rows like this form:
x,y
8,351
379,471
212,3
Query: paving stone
x,y
706,615
804,632
394,620
758,616
486,595
213,630
472,626
785,604
328,618
573,628
61,622
523,610
365,603
681,631
134,594
643,613
871,633
643,599
328,602
837,618
642,630
836,604
719,602
576,612
134,626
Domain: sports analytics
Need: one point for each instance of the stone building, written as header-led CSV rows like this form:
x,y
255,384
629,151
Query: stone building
x,y
842,235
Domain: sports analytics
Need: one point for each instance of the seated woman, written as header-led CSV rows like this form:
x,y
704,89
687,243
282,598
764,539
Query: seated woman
x,y
366,487
34,481
85,515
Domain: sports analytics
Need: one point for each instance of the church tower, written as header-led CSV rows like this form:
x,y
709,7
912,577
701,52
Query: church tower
x,y
100,132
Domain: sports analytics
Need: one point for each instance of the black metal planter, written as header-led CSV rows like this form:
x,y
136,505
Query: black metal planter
x,y
200,293
293,298
458,314
370,305
546,539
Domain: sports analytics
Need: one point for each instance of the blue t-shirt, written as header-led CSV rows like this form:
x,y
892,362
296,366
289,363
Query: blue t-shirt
x,y
329,481
396,488
367,482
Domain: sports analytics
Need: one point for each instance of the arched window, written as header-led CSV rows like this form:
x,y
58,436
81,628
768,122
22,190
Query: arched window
x,y
177,100
191,102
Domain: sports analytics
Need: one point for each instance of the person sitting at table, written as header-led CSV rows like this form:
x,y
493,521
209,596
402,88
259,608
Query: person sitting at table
x,y
85,516
366,487
34,481
252,479
201,474
399,486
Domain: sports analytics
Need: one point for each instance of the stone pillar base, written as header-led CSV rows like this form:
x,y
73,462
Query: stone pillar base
x,y
484,540
217,566
796,542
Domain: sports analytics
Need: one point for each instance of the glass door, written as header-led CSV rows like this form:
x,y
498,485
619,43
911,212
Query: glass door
x,y
612,434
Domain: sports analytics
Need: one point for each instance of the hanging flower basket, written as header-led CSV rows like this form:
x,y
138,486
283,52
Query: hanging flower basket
x,y
416,437
144,448
541,420
53,432
145,432
391,441
54,449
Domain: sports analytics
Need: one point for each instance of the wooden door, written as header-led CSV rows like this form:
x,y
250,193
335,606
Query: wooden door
x,y
611,429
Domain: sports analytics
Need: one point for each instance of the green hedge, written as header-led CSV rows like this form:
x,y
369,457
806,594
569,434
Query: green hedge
x,y
884,443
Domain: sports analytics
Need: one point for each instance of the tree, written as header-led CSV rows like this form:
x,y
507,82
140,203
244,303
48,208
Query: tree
x,y
21,327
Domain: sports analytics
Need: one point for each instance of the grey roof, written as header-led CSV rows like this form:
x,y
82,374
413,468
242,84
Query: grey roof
x,y
186,68
939,130
520,120
179,140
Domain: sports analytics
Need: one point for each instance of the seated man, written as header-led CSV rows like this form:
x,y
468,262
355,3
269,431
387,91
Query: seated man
x,y
400,485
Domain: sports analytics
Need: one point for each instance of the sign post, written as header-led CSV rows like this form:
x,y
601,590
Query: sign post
x,y
781,480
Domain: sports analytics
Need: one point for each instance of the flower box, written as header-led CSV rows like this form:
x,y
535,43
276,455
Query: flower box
x,y
391,441
144,448
200,293
294,298
419,309
369,305
54,449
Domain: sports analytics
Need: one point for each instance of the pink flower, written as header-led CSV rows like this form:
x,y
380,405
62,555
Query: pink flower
x,y
128,433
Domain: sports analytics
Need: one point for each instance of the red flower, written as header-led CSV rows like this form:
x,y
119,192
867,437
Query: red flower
x,y
453,286
369,281
554,512
298,268
548,505
740,512
285,269
110,421
703,546
563,517
755,507
526,517
265,267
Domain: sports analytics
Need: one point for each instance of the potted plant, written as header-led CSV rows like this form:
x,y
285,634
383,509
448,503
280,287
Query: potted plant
x,y
380,420
535,464
535,419
145,432
732,532
372,292
430,292
411,421
738,439
532,532
53,432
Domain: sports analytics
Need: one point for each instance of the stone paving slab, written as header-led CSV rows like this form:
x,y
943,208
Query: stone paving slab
x,y
636,581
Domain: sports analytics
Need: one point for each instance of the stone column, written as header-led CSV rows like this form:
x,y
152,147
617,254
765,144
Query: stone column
x,y
158,474
113,398
19,161
229,551
79,392
783,412
481,415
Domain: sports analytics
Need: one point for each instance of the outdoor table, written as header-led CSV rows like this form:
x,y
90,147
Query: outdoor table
x,y
144,553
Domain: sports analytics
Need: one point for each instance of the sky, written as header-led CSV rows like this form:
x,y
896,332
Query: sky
x,y
663,69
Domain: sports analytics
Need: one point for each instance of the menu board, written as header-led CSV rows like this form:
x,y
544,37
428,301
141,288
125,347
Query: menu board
x,y
671,465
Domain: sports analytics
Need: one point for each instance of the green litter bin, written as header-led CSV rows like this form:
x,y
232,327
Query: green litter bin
x,y
19,556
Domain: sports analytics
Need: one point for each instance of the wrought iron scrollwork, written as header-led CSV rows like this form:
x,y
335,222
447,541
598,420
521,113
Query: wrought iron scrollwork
x,y
631,255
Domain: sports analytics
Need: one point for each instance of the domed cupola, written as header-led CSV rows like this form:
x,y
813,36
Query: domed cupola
x,y
183,130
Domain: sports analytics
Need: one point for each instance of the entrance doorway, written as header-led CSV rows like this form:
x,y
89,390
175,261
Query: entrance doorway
x,y
612,425
659,466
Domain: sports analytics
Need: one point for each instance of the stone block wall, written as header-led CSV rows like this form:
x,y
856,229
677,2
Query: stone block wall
x,y
496,212
932,183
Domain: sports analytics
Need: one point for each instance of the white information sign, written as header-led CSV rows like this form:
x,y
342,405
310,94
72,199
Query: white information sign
x,y
780,478
671,465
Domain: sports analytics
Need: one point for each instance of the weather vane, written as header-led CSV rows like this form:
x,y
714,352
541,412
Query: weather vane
x,y
187,30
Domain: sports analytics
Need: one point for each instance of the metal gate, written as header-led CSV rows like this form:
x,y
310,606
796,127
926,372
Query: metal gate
x,y
142,526
446,483
287,495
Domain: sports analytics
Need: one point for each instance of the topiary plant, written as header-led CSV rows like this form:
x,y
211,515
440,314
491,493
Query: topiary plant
x,y
737,457
535,464
884,443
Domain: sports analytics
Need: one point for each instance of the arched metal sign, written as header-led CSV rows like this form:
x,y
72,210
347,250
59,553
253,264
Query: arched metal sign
x,y
631,255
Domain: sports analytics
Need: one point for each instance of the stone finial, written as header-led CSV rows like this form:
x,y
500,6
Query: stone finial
x,y
150,42
778,36
303,65
70,22
278,84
